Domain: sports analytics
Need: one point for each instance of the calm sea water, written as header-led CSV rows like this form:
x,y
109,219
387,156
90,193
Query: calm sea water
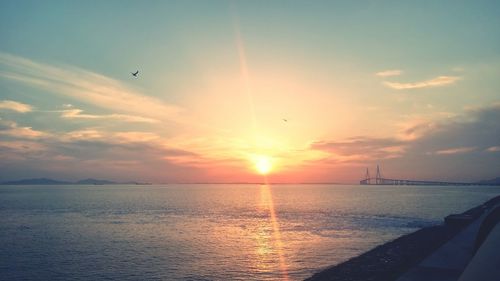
x,y
208,232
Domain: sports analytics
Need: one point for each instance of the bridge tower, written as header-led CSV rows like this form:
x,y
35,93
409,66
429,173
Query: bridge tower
x,y
367,176
378,178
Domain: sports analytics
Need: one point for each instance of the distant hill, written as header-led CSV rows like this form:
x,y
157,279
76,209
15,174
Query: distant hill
x,y
95,181
495,181
45,181
39,181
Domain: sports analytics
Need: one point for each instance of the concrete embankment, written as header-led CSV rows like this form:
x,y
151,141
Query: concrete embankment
x,y
433,253
485,264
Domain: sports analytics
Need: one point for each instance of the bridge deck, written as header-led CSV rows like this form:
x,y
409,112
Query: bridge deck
x,y
384,181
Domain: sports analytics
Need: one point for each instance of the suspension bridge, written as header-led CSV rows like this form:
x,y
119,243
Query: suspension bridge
x,y
380,180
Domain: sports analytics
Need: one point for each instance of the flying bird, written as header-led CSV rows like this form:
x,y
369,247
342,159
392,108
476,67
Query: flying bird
x,y
135,73
285,120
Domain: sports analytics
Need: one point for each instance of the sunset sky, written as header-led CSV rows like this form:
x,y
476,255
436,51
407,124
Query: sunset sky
x,y
411,85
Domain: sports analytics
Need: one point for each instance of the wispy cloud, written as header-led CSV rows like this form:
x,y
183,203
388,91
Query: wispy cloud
x,y
15,106
11,129
434,82
22,146
456,150
87,86
467,136
125,155
362,149
458,69
76,113
493,149
94,134
388,73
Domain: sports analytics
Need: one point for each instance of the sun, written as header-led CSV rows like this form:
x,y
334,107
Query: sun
x,y
263,164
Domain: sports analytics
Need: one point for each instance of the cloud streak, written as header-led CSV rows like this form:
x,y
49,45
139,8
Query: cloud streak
x,y
493,149
11,129
88,87
473,138
434,82
457,150
76,113
362,149
15,106
389,73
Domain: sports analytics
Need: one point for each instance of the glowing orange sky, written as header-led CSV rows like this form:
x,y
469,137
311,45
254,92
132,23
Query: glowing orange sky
x,y
318,97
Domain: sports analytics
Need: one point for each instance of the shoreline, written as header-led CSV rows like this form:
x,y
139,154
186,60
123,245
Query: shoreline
x,y
390,260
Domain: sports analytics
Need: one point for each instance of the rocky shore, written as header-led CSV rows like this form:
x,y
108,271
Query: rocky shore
x,y
388,261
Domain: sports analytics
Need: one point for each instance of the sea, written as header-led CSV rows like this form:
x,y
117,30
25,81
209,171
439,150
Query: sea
x,y
209,231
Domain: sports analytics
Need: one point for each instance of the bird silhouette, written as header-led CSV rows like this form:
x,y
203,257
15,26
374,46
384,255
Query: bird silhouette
x,y
135,73
285,120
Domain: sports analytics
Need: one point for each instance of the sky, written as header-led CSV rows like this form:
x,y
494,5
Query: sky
x,y
303,91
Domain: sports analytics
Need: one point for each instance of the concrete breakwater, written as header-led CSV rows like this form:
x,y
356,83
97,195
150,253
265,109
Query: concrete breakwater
x,y
401,258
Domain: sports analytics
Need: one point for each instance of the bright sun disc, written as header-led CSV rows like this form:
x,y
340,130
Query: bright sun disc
x,y
263,165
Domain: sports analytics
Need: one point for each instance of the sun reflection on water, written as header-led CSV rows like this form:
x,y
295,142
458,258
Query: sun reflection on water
x,y
269,236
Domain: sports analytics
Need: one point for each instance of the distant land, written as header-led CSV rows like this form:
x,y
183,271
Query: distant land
x,y
90,181
495,181
46,181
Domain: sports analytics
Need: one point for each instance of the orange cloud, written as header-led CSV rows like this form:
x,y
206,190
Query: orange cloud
x,y
434,82
11,129
76,113
15,106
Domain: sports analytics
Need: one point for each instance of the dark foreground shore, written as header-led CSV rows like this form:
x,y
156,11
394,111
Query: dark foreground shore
x,y
388,261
